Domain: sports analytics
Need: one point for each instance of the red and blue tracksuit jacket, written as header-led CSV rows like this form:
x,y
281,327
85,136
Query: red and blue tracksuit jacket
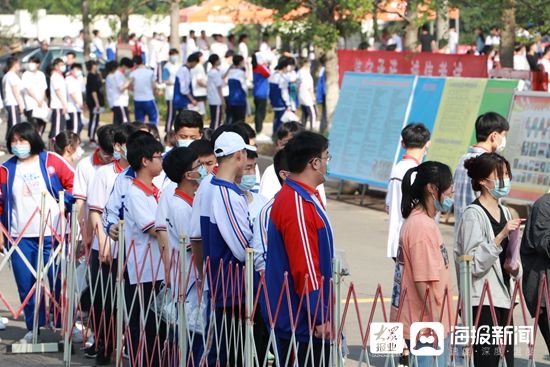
x,y
57,173
301,244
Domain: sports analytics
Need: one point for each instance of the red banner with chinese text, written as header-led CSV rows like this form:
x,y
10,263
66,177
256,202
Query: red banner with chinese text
x,y
417,63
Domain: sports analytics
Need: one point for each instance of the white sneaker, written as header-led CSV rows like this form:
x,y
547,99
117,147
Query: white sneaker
x,y
3,322
27,339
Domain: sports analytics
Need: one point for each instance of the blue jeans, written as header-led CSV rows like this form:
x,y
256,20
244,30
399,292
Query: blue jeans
x,y
146,108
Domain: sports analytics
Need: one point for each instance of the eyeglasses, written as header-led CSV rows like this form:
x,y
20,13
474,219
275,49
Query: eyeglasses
x,y
196,167
328,157
157,156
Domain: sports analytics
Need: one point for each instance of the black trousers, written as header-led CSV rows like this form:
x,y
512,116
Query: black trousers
x,y
544,327
303,357
170,116
236,114
74,123
215,116
309,113
120,115
489,355
93,124
59,123
151,348
259,113
103,288
39,124
324,117
13,118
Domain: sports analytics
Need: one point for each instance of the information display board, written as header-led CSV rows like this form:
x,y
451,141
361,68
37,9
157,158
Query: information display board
x,y
369,117
528,145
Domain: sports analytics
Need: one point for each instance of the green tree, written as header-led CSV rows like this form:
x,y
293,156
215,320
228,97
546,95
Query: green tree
x,y
321,23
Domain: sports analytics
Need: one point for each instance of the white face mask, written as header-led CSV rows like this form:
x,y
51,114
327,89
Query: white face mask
x,y
31,66
77,155
502,145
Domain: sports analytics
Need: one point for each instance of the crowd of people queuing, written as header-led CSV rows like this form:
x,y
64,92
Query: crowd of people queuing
x,y
210,76
484,229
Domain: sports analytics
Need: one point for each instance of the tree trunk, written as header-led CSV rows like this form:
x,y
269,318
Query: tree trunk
x,y
333,89
124,26
411,33
508,35
85,7
175,25
442,21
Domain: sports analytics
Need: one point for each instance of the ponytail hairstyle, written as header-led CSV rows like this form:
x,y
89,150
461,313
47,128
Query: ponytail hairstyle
x,y
481,167
414,190
63,140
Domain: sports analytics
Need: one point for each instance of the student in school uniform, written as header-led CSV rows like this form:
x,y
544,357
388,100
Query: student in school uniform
x,y
142,83
215,86
12,87
94,98
236,80
188,127
67,145
104,251
306,95
183,90
260,78
183,168
247,183
58,98
23,178
144,271
199,86
34,93
116,88
415,140
205,150
74,98
278,92
85,171
169,77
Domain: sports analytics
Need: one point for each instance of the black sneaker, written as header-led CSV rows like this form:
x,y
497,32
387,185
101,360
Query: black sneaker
x,y
90,352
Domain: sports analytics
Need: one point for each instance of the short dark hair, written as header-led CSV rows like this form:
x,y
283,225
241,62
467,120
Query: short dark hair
x,y
480,168
280,163
26,132
202,147
194,57
125,61
302,148
90,63
214,58
111,66
62,140
57,61
122,132
546,50
415,135
248,129
72,53
143,146
173,51
489,123
152,129
178,162
237,59
95,32
76,65
105,136
35,59
188,118
229,53
291,127
137,60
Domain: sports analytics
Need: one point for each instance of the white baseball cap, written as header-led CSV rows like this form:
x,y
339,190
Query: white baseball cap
x,y
228,143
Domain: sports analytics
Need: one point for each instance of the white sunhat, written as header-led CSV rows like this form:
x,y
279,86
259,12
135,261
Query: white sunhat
x,y
228,143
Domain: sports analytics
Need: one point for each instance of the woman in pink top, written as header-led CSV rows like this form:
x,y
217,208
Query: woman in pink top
x,y
422,265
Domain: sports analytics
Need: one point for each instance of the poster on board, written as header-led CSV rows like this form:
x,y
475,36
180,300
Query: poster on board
x,y
528,145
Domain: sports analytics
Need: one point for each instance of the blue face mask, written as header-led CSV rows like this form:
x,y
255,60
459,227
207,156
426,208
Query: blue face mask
x,y
184,142
117,156
203,172
445,206
21,151
500,192
247,182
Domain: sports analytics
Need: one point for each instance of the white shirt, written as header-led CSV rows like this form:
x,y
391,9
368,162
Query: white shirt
x,y
270,186
203,197
243,50
142,250
115,203
260,225
85,172
191,46
57,82
98,195
305,88
169,74
393,203
219,49
224,68
521,63
28,186
113,84
143,79
491,40
215,81
198,73
184,77
256,205
35,81
453,42
10,80
73,88
545,63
